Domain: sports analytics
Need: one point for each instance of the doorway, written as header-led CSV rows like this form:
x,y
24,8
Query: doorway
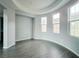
x,y
1,26
1,32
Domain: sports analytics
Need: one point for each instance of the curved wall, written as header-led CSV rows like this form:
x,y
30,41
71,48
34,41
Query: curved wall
x,y
63,38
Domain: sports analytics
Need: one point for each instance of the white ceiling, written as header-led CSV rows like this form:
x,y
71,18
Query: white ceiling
x,y
38,7
35,4
34,7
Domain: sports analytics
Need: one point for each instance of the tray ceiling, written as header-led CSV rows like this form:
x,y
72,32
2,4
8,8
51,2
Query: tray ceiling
x,y
37,7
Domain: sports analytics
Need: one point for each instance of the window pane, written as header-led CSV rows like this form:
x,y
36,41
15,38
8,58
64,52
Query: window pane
x,y
74,28
44,20
74,9
56,18
44,28
74,12
77,7
56,21
56,28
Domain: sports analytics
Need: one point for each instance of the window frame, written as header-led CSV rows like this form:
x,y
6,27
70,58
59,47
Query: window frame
x,y
70,21
56,23
44,30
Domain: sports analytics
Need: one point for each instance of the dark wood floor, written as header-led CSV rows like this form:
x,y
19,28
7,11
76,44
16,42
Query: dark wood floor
x,y
36,49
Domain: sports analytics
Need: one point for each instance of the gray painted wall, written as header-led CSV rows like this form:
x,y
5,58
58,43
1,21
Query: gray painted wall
x,y
63,38
23,27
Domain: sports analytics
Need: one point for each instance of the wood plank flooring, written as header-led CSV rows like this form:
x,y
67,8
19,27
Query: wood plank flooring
x,y
36,49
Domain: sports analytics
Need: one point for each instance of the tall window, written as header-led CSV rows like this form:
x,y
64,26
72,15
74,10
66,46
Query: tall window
x,y
74,20
44,24
56,23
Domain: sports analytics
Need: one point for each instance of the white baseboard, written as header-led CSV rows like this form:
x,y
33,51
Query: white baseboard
x,y
23,39
8,46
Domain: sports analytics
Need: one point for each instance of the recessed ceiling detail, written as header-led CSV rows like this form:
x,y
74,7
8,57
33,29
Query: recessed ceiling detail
x,y
37,7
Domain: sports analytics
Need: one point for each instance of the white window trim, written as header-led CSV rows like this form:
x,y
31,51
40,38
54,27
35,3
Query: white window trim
x,y
44,30
69,21
56,23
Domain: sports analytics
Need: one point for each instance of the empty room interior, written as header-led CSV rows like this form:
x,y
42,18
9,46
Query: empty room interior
x,y
39,28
